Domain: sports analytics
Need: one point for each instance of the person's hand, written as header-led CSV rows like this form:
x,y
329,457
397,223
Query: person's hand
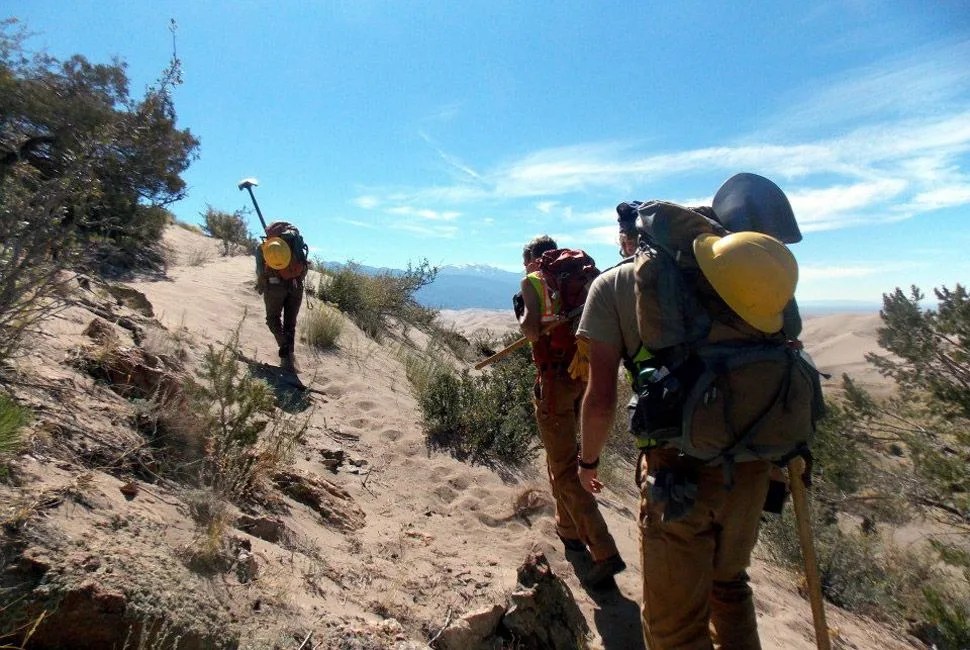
x,y
588,479
260,288
579,367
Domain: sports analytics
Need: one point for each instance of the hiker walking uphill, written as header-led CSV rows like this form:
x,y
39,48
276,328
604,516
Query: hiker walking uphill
x,y
281,267
703,321
553,291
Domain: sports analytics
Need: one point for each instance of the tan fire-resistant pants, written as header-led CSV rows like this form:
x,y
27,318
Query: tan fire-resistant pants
x,y
695,585
557,399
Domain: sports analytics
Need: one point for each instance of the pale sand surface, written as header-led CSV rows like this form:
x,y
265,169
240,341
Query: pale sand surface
x,y
440,536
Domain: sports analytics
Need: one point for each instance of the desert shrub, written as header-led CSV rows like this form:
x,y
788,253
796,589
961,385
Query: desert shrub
x,y
35,247
244,439
945,623
12,419
191,227
888,460
74,123
321,327
229,228
480,418
372,300
211,515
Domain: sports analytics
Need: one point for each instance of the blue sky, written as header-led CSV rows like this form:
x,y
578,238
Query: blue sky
x,y
456,131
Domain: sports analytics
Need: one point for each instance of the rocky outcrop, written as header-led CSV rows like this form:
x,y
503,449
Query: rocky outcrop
x,y
333,503
542,615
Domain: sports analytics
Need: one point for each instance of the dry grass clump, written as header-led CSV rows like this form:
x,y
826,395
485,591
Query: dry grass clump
x,y
321,327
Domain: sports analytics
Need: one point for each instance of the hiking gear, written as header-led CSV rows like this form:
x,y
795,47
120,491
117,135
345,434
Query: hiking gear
x,y
248,184
754,273
515,345
601,575
676,490
752,202
593,464
743,395
276,253
626,214
796,469
561,281
518,305
669,311
293,268
556,400
579,366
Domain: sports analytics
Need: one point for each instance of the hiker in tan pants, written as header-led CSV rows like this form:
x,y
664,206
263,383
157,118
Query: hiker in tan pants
x,y
579,523
694,568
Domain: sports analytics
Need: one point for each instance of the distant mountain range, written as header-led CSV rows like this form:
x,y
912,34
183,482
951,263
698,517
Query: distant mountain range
x,y
478,286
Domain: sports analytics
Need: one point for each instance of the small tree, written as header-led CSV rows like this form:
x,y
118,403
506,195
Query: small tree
x,y
229,228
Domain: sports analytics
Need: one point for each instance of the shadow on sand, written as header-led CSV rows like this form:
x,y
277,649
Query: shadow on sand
x,y
617,618
291,395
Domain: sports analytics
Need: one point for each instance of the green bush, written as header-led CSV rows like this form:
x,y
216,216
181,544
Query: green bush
x,y
245,440
482,418
12,419
372,300
321,327
229,228
74,123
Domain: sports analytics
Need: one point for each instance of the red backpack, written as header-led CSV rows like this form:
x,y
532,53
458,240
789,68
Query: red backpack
x,y
568,274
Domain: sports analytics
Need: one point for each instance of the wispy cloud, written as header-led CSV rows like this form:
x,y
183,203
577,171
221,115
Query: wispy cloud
x,y
424,213
910,84
452,161
907,157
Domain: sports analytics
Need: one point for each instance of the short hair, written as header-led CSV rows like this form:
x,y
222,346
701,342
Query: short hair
x,y
539,245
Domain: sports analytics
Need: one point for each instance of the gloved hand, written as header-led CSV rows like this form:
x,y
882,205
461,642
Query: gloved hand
x,y
518,305
260,287
579,367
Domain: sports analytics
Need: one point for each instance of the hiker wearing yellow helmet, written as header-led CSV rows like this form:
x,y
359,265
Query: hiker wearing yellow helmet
x,y
694,559
281,266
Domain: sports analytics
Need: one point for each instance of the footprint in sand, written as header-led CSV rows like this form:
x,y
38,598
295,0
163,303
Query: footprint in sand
x,y
459,482
413,448
439,474
392,435
366,405
445,493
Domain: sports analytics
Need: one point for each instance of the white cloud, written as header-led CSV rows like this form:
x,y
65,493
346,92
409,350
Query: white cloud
x,y
424,213
366,202
917,82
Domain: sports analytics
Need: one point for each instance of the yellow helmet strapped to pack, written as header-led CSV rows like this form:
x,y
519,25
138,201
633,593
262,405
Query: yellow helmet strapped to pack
x,y
754,273
276,253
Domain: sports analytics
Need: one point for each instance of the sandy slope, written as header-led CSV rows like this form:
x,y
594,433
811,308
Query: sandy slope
x,y
440,537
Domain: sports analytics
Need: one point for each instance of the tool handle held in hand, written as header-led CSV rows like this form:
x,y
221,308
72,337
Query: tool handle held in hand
x,y
518,343
515,345
796,468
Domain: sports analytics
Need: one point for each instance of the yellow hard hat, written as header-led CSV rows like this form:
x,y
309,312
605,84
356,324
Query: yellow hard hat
x,y
754,273
276,253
